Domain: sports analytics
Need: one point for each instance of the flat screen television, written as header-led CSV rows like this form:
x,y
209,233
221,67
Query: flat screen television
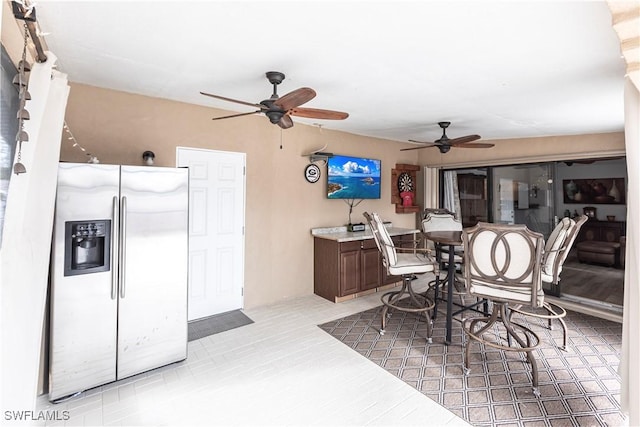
x,y
353,178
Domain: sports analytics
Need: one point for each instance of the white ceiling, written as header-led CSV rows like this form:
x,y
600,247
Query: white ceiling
x,y
505,69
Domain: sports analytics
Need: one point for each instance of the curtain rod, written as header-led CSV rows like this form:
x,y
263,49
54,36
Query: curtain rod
x,y
23,11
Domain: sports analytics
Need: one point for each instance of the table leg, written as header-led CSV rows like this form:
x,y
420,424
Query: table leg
x,y
451,268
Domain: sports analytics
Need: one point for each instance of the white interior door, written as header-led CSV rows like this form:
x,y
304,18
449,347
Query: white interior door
x,y
216,230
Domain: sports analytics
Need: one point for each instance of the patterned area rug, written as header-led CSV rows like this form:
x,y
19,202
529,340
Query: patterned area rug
x,y
579,387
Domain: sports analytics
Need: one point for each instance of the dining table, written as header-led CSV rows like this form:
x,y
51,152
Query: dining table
x,y
451,239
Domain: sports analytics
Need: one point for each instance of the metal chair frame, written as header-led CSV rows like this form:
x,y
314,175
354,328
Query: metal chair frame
x,y
443,220
497,283
391,300
555,311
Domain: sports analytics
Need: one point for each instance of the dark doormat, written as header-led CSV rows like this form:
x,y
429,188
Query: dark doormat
x,y
218,323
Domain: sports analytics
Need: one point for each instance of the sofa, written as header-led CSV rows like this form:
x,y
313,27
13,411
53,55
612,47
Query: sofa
x,y
599,252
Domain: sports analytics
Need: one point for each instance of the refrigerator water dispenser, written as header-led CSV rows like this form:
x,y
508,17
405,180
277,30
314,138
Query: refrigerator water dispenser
x,y
87,247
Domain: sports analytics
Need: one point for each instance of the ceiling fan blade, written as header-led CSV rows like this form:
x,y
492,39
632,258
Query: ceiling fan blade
x,y
295,98
316,113
422,142
418,148
285,122
476,145
224,98
237,115
463,139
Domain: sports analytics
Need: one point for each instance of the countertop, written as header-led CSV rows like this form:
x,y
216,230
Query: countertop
x,y
340,234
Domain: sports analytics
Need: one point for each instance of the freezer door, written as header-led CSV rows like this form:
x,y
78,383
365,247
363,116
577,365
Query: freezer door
x,y
152,323
83,306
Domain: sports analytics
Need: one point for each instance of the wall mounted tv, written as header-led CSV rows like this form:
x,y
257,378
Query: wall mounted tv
x,y
353,178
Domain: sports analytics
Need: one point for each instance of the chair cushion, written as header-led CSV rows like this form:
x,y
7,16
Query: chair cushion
x,y
440,222
546,278
411,264
554,244
386,242
505,292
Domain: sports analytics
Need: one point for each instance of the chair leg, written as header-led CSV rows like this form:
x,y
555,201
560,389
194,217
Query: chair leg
x,y
489,322
436,291
501,313
505,315
391,299
554,311
554,314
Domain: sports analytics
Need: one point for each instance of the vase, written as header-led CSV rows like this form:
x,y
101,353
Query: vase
x,y
614,192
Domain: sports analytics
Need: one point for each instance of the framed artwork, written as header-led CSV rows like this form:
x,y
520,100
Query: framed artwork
x,y
594,191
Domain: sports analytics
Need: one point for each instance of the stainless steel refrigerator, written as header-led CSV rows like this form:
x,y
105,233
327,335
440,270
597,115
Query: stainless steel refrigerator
x,y
118,274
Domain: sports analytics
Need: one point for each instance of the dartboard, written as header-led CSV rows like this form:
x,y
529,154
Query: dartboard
x,y
405,182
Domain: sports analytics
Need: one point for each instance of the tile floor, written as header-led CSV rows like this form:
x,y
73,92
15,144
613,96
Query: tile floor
x,y
281,370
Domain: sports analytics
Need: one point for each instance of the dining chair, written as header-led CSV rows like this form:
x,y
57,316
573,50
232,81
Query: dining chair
x,y
403,262
443,220
555,253
503,265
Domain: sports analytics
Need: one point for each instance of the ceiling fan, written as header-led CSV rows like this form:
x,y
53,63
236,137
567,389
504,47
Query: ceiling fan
x,y
279,109
444,144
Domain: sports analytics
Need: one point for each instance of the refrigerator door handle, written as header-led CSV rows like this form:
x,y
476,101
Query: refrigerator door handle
x,y
123,244
114,246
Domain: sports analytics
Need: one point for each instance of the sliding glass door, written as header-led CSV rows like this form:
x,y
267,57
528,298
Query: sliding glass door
x,y
538,195
519,194
523,194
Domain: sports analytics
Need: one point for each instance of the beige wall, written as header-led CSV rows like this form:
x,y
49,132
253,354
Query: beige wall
x,y
281,206
524,150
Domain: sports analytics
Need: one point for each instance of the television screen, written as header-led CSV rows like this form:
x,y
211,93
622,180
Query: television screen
x,y
353,178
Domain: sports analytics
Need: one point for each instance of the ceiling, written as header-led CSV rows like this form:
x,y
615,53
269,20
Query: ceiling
x,y
507,69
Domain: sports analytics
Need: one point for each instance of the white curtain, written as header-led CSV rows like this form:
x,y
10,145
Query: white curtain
x,y
451,194
430,187
629,366
24,257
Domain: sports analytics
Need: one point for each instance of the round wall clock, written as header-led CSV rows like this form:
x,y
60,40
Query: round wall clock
x,y
312,173
405,182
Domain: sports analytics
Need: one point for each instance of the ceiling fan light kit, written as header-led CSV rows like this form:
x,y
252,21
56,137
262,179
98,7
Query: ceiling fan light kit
x,y
445,143
279,109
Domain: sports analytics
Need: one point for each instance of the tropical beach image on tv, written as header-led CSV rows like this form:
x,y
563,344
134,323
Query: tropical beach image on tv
x,y
353,178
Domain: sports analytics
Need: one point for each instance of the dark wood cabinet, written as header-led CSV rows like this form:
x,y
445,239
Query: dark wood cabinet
x,y
603,231
360,267
343,269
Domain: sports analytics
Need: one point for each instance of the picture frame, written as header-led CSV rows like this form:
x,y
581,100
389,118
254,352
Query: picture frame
x,y
590,191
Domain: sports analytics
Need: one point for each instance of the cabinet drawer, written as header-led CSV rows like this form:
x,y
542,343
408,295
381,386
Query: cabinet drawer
x,y
350,246
369,244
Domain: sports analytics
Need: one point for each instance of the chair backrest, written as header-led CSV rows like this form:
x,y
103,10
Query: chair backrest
x,y
559,244
428,211
382,238
440,222
503,263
